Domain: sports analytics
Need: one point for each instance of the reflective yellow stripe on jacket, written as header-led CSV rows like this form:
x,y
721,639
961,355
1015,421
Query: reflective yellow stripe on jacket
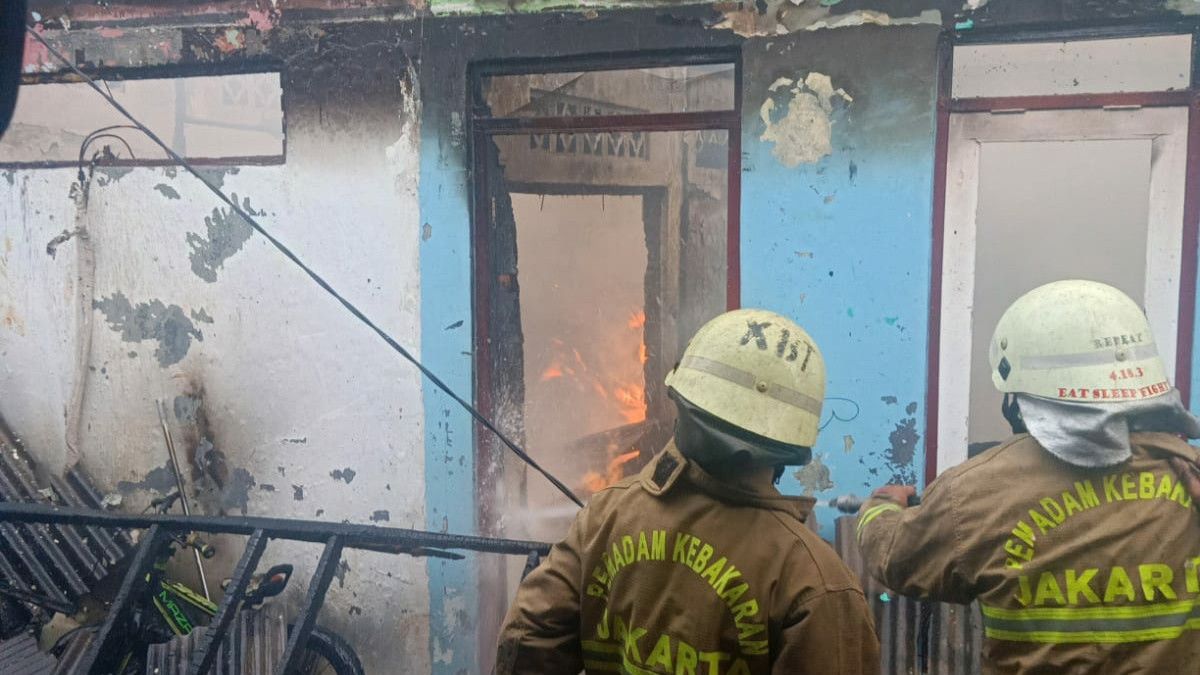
x,y
1164,621
873,513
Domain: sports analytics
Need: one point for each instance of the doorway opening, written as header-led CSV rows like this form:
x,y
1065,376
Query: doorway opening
x,y
606,199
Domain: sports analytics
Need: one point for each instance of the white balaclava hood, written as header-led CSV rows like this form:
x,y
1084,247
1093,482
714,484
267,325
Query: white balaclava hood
x,y
1096,435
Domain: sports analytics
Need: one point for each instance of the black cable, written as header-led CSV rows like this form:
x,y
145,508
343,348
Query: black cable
x,y
391,342
833,413
102,132
96,137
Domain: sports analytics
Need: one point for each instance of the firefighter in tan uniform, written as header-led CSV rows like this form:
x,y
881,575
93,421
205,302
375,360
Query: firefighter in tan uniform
x,y
698,566
1078,538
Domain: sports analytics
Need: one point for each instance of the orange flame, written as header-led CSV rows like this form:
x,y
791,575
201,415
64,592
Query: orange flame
x,y
633,402
596,482
618,383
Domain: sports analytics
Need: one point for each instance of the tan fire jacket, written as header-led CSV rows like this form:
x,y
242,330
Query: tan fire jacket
x,y
673,572
1077,571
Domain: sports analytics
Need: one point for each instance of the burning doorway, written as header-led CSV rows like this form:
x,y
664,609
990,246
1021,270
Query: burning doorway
x,y
606,234
584,370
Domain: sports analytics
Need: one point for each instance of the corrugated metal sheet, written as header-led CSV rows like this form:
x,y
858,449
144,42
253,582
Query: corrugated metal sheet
x,y
74,653
253,646
57,562
955,631
20,656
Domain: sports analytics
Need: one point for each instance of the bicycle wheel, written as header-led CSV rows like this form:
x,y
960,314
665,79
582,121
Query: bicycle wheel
x,y
327,653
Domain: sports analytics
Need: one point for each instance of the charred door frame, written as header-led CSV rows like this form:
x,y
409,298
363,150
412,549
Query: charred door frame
x,y
947,104
482,129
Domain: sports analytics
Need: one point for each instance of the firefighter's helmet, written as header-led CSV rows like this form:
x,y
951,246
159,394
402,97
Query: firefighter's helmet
x,y
758,371
1077,340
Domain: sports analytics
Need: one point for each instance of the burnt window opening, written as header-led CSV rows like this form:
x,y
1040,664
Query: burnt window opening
x,y
605,234
229,119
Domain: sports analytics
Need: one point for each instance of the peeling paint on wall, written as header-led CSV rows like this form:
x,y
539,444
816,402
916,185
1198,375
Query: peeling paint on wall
x,y
865,17
781,17
159,479
111,174
227,232
901,451
216,176
167,191
814,476
232,494
804,133
153,320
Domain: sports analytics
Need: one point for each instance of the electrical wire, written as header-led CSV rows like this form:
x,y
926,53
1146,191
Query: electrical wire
x,y
102,132
833,413
350,307
97,137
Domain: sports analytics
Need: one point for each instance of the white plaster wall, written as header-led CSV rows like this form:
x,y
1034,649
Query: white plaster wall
x,y
281,360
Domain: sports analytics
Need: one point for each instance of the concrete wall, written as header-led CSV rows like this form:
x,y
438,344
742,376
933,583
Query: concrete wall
x,y
837,142
311,414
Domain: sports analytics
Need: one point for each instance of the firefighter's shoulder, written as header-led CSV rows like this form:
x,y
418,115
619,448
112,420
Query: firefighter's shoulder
x,y
1014,448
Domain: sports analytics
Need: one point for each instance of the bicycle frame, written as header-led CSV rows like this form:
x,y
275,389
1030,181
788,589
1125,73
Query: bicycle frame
x,y
170,597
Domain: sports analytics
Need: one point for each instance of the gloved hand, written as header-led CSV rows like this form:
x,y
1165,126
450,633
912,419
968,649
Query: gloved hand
x,y
897,494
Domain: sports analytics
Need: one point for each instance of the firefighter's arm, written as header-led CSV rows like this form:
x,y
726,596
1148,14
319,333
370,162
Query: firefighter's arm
x,y
541,631
915,550
833,633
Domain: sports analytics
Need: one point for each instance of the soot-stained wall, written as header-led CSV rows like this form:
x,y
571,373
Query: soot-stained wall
x,y
293,408
838,147
467,601
307,413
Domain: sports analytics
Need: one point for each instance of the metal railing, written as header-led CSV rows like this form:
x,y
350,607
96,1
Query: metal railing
x,y
158,531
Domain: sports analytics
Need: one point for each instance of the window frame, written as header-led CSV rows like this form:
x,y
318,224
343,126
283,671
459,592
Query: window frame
x,y
167,72
947,105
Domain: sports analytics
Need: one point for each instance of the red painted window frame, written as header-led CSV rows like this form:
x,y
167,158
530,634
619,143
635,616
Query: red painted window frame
x,y
946,105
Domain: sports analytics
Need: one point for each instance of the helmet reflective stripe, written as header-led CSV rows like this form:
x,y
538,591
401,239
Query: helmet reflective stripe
x,y
1077,340
1088,359
747,380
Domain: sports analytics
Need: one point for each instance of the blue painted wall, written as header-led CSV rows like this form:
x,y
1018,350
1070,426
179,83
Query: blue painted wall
x,y
843,245
446,330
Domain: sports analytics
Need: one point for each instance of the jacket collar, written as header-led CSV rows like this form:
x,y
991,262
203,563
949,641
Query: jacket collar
x,y
671,468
